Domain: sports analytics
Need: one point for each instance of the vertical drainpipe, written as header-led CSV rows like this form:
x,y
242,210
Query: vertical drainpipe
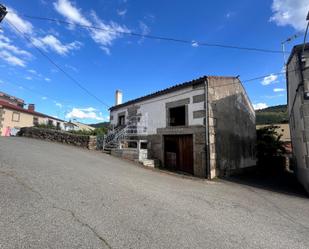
x,y
207,129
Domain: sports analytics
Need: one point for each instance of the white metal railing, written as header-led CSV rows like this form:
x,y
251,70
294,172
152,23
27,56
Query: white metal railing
x,y
135,126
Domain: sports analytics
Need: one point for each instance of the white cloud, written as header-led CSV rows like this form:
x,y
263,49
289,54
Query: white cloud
x,y
52,43
71,67
32,71
269,79
11,53
279,90
22,25
107,33
122,12
104,36
12,59
58,104
229,14
145,30
195,44
84,113
28,78
47,79
15,56
5,43
260,106
70,12
44,98
290,13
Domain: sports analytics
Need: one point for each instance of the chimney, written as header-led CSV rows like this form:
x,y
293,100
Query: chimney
x,y
118,97
31,107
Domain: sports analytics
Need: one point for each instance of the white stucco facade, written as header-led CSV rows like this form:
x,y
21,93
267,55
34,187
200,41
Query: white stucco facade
x,y
154,110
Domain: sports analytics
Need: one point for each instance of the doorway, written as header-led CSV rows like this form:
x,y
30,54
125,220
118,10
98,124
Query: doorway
x,y
178,153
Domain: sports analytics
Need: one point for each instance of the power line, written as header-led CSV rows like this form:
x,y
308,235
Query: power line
x,y
57,66
264,76
155,37
33,91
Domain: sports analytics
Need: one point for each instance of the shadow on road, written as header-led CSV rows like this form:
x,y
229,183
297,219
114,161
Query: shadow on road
x,y
283,182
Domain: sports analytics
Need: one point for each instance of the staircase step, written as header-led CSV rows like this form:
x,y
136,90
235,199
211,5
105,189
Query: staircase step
x,y
150,162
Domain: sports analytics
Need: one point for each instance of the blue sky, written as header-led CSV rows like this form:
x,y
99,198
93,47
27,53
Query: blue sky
x,y
105,61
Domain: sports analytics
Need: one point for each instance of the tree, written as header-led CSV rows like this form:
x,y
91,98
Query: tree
x,y
269,146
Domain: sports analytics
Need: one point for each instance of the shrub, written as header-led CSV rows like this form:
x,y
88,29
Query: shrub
x,y
46,126
270,150
95,132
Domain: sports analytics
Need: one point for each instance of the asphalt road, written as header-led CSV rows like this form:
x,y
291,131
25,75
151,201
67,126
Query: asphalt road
x,y
57,196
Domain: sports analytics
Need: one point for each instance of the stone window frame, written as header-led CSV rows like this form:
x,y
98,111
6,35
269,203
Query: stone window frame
x,y
17,119
119,115
178,103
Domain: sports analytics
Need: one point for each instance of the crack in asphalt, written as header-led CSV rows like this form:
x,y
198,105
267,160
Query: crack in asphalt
x,y
26,186
84,224
20,182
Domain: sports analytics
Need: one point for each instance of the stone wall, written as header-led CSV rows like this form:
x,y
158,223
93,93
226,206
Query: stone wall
x,y
84,141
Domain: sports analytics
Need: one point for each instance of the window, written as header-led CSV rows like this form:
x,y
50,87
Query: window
x,y
58,125
15,117
177,116
144,145
132,144
50,122
121,120
35,120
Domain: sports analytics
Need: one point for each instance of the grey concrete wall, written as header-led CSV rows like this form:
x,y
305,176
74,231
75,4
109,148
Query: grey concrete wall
x,y
298,107
232,132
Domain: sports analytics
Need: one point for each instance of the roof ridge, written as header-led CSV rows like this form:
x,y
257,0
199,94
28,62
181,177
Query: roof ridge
x,y
169,89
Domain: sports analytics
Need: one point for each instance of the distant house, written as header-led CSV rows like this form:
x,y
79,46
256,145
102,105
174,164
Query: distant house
x,y
298,107
13,116
77,126
204,127
282,129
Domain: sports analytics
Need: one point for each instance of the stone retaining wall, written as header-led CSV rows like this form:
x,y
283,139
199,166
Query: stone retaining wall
x,y
84,141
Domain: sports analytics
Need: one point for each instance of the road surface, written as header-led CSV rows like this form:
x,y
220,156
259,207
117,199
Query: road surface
x,y
58,196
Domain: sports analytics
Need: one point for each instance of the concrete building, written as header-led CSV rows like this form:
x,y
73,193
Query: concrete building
x,y
13,116
176,127
298,107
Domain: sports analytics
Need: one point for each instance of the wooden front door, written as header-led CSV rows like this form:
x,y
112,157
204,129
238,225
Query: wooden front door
x,y
178,153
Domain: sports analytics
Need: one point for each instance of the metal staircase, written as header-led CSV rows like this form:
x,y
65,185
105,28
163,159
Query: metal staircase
x,y
135,126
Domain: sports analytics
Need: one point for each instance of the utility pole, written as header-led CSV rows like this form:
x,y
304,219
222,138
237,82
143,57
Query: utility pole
x,y
3,12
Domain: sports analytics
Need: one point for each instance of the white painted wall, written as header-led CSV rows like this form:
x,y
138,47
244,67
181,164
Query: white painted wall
x,y
154,109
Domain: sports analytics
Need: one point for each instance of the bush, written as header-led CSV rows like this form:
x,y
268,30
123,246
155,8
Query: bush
x,y
270,149
46,126
95,132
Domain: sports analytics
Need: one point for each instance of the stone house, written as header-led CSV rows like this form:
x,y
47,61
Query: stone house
x,y
14,116
204,127
297,73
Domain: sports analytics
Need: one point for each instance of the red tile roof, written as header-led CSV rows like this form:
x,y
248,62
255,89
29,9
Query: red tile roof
x,y
20,109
